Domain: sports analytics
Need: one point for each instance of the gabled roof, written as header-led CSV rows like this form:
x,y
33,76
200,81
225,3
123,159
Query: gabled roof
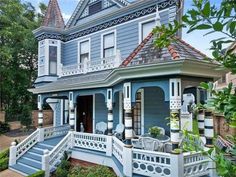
x,y
81,7
53,17
146,52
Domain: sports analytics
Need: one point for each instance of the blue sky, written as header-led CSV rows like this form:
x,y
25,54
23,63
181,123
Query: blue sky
x,y
196,39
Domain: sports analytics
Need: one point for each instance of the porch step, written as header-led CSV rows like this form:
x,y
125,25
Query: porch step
x,y
30,162
34,156
44,146
36,150
23,169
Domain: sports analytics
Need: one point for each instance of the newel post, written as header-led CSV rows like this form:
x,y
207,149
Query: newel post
x,y
12,154
127,162
45,163
177,165
109,146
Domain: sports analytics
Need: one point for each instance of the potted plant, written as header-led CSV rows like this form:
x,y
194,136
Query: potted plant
x,y
154,131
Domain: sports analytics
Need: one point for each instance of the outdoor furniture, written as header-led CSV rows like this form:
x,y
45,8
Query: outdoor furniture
x,y
101,128
151,144
137,143
167,147
119,131
162,138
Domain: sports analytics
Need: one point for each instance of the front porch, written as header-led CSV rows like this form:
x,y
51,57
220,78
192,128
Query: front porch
x,y
104,150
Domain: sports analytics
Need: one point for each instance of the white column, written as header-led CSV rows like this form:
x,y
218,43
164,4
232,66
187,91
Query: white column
x,y
200,119
209,128
12,154
71,111
40,111
177,165
110,111
128,114
175,106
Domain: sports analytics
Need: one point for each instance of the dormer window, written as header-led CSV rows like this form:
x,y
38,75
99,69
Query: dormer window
x,y
109,45
84,48
146,28
53,60
94,8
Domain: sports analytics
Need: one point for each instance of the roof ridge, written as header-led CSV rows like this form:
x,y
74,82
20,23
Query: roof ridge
x,y
136,50
190,46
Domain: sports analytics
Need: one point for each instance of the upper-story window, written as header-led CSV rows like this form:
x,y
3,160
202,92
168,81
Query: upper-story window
x,y
84,51
53,60
108,45
146,28
94,8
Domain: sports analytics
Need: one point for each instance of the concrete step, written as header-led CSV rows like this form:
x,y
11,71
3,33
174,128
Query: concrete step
x,y
23,169
30,162
34,156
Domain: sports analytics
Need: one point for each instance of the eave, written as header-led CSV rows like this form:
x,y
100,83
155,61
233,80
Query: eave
x,y
192,68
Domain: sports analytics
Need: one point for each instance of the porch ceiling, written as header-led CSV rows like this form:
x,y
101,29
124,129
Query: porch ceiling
x,y
195,68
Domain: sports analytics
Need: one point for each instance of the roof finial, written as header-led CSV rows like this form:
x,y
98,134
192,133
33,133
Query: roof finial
x,y
53,17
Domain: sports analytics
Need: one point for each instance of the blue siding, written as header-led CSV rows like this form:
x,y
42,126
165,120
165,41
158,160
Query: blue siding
x,y
100,108
155,109
127,39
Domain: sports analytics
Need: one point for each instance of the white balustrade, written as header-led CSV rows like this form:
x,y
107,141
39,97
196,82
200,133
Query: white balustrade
x,y
151,163
26,144
51,132
94,142
57,152
117,149
195,164
92,66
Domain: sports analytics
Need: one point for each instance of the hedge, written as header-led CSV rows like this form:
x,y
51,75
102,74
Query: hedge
x,y
4,159
40,173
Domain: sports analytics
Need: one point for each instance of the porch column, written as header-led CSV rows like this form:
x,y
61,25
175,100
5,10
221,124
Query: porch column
x,y
40,112
209,128
128,114
71,111
175,106
110,112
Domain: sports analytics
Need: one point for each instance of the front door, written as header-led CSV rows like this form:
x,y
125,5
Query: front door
x,y
85,113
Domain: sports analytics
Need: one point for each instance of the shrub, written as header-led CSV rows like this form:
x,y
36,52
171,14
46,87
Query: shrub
x,y
40,173
4,163
4,127
4,153
60,172
65,164
95,171
25,117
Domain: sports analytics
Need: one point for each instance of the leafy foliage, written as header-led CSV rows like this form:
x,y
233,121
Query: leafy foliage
x,y
18,55
4,159
40,173
154,131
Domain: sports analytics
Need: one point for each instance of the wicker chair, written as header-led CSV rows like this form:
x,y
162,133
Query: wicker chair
x,y
101,128
119,131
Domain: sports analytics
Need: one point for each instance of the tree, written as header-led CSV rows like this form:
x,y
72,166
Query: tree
x,y
18,55
211,19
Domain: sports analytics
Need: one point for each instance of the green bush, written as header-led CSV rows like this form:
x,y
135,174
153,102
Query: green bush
x,y
4,153
26,117
40,173
4,127
95,171
60,172
4,163
65,164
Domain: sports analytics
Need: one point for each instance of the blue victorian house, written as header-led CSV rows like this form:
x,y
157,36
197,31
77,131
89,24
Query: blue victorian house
x,y
107,84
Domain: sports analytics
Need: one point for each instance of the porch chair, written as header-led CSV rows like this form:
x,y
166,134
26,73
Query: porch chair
x,y
101,128
167,147
151,144
119,131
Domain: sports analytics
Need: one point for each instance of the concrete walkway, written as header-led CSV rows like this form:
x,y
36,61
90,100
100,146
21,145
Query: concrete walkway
x,y
9,173
5,141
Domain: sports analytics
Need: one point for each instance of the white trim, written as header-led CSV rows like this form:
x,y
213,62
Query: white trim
x,y
142,111
140,27
79,42
62,111
115,45
113,27
120,108
75,118
94,99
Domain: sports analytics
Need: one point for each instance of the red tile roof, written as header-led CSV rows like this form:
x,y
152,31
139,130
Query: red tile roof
x,y
53,17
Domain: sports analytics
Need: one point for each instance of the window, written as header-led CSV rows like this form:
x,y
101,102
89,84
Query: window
x,y
146,28
137,109
84,51
94,8
53,60
109,45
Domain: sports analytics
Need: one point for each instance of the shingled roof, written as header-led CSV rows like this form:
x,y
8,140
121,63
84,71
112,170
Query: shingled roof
x,y
146,52
53,17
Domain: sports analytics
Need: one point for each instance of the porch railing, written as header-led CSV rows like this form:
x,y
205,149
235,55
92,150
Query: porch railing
x,y
118,149
92,66
51,132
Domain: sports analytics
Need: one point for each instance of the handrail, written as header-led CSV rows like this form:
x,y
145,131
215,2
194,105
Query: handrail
x,y
27,143
50,132
58,151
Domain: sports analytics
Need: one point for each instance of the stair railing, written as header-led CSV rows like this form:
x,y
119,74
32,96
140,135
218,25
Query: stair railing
x,y
51,132
16,151
52,159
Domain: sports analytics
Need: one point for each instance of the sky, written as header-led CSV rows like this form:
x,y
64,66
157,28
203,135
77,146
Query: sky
x,y
196,39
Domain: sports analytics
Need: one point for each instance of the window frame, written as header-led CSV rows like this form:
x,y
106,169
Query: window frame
x,y
102,43
79,45
141,29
